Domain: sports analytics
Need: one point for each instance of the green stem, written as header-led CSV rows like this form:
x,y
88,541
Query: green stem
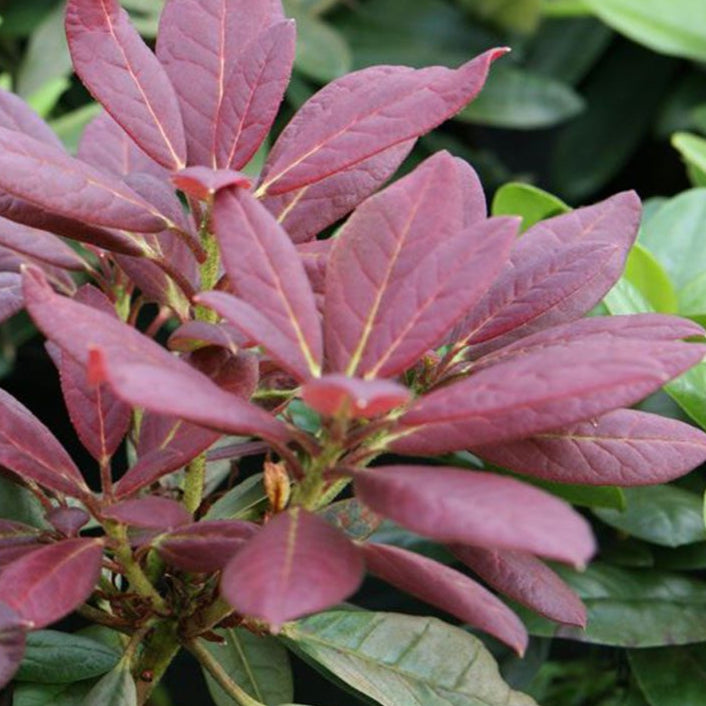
x,y
236,692
159,651
206,619
194,483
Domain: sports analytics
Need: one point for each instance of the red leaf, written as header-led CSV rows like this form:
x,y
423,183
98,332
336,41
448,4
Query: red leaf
x,y
199,42
151,512
203,183
13,631
105,145
296,565
121,72
625,448
51,582
68,520
15,114
141,372
197,334
407,239
51,179
11,300
306,211
16,540
335,395
559,269
477,508
447,589
473,197
253,93
205,546
527,580
39,245
278,308
315,256
364,113
546,389
30,450
236,373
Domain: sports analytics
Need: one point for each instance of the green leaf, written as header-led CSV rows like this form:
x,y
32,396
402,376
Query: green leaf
x,y
674,28
54,657
521,16
45,99
689,392
70,127
54,694
645,273
692,148
661,514
116,688
622,96
400,659
679,107
259,665
631,608
690,557
530,202
626,298
19,504
242,502
595,496
565,8
20,19
671,676
517,98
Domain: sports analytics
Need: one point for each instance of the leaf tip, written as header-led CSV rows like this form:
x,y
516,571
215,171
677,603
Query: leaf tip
x,y
96,369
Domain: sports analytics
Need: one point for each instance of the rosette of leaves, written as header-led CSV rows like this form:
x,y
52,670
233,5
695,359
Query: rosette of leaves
x,y
421,328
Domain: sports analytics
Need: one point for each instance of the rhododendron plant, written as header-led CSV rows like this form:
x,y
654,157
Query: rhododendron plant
x,y
420,328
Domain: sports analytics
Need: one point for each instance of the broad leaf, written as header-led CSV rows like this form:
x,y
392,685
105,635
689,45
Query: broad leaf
x,y
664,515
29,449
116,688
364,113
246,501
447,589
15,114
54,657
483,509
49,583
398,659
149,512
526,579
693,151
530,202
258,664
298,564
276,305
11,300
12,642
39,245
16,540
54,694
545,390
48,178
122,73
624,447
372,326
632,608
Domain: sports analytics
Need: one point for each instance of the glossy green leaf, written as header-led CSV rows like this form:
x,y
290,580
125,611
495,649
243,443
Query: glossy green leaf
x,y
631,608
671,676
530,202
517,98
243,502
692,148
116,688
260,665
674,28
19,504
661,514
54,657
595,496
644,272
629,83
626,298
689,392
400,659
54,694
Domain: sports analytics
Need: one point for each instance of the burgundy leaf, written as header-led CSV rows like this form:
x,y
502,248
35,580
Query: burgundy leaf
x,y
13,631
105,145
49,178
204,546
447,589
484,509
49,583
68,520
390,299
151,512
203,183
298,564
16,540
545,390
11,300
315,255
253,93
121,72
142,373
199,42
364,113
558,270
527,580
625,448
277,306
236,373
39,245
338,395
15,114
198,334
473,197
306,211
30,450
11,553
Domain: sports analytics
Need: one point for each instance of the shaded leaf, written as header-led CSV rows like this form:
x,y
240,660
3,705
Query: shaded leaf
x,y
15,114
397,658
54,694
203,183
122,73
693,151
12,642
245,501
150,512
483,509
116,688
49,583
39,245
354,518
11,300
297,564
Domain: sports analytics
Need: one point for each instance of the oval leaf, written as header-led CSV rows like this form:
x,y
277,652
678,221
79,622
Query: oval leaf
x,y
151,512
116,688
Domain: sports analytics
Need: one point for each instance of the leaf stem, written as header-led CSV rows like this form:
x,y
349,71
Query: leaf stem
x,y
194,483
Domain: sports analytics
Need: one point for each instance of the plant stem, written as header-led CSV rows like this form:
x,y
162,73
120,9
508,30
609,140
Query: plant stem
x,y
206,619
194,482
159,651
237,693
